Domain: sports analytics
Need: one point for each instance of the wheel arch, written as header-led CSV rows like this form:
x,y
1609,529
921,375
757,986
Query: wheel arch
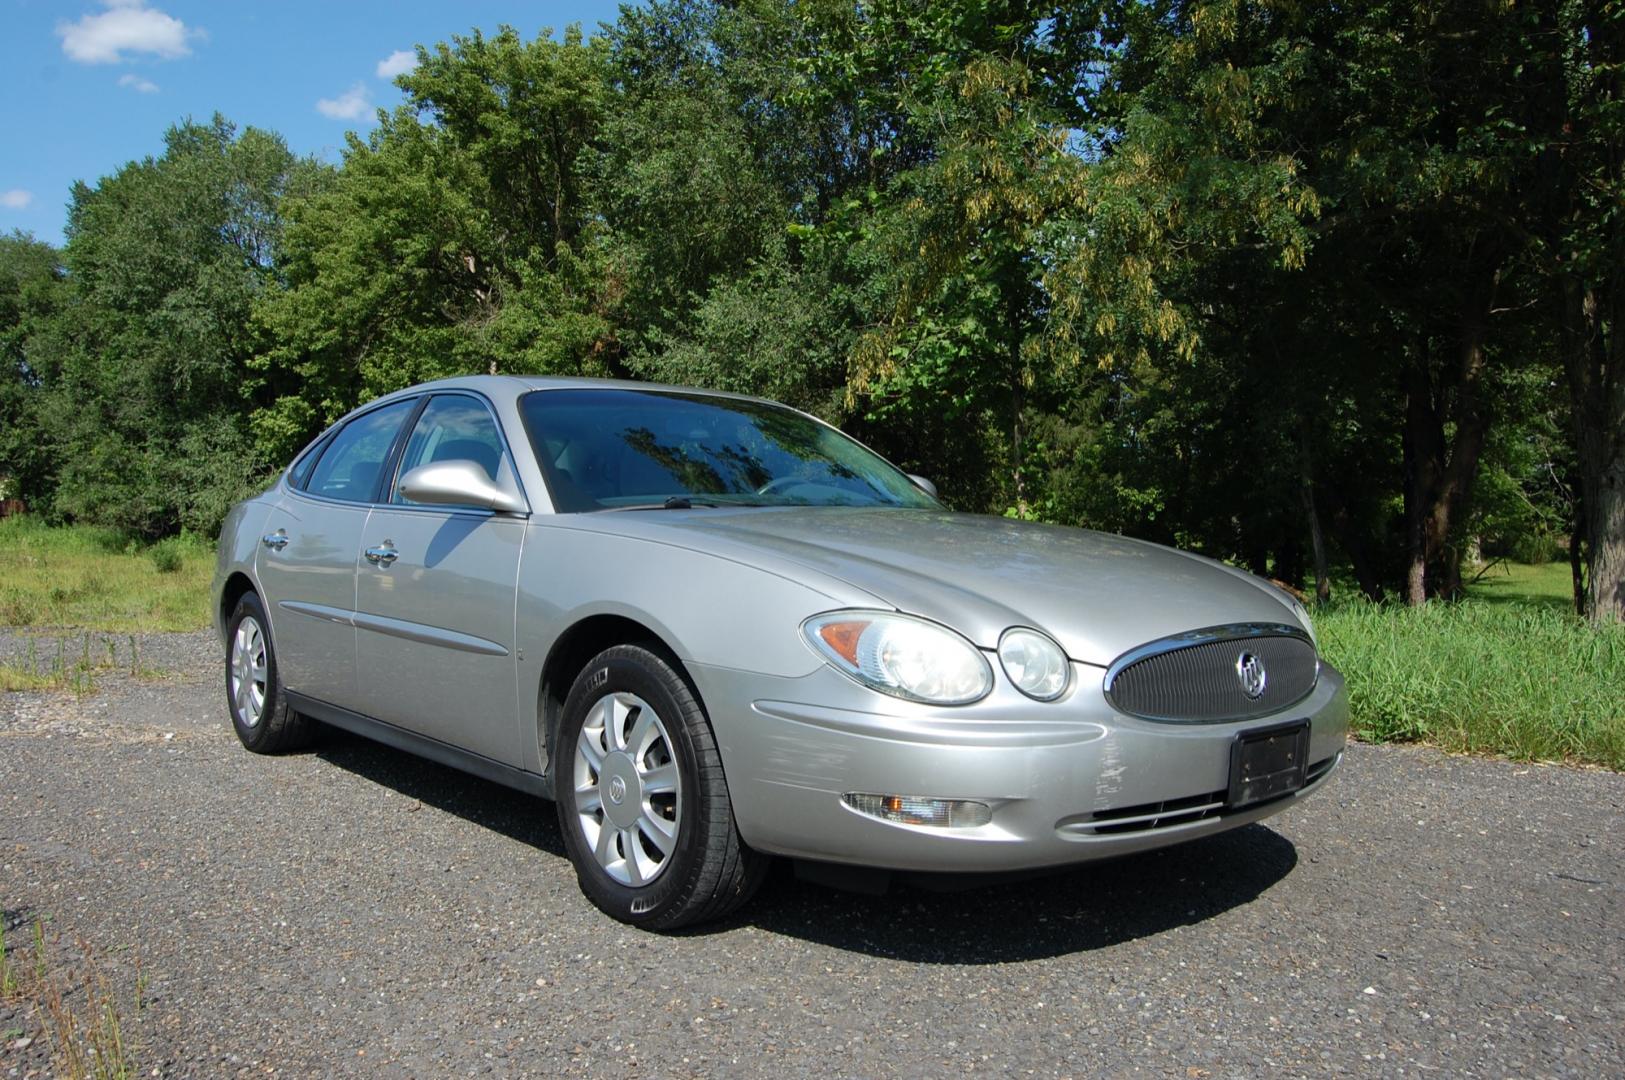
x,y
236,587
585,639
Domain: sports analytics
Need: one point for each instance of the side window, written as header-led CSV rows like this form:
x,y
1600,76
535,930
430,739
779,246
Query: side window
x,y
301,468
349,467
452,428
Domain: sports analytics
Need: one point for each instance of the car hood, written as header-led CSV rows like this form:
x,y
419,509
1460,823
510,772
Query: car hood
x,y
1097,594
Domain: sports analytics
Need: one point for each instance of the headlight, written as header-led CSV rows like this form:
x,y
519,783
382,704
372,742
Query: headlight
x,y
1034,663
901,655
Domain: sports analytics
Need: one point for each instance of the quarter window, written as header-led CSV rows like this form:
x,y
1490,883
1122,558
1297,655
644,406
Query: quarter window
x,y
350,465
301,468
452,428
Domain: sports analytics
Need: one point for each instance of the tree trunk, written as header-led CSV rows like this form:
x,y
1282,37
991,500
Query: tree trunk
x,y
1597,392
1317,538
1018,406
1424,455
1289,560
1607,549
1440,476
1582,175
1257,556
1018,388
1354,546
1577,540
1472,427
1323,580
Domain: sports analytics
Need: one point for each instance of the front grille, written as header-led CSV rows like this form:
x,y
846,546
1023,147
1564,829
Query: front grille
x,y
1149,817
1158,815
1196,678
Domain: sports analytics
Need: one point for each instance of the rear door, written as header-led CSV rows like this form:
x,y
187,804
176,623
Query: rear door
x,y
435,600
308,556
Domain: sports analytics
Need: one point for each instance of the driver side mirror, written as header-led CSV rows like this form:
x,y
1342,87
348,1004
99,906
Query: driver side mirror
x,y
458,483
924,485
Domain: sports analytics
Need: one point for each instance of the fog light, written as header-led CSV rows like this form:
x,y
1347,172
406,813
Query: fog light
x,y
915,810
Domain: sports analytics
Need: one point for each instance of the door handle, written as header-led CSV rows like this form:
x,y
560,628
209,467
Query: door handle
x,y
383,555
275,541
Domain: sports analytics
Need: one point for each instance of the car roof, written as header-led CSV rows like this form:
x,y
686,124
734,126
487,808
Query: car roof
x,y
512,386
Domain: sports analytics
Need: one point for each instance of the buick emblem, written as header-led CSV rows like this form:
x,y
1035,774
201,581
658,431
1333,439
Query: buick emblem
x,y
617,786
1250,672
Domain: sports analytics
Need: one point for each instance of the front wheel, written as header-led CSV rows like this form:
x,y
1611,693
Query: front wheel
x,y
641,798
259,708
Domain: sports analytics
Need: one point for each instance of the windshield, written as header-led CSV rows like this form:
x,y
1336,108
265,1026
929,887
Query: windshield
x,y
620,449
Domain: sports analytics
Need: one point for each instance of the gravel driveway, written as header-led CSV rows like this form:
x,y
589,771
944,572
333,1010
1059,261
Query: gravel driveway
x,y
353,911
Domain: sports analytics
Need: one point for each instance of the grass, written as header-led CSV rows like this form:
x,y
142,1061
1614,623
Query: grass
x,y
1510,671
1549,585
95,579
77,1006
65,663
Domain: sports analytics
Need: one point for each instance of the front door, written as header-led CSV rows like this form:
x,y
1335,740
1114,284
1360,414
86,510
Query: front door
x,y
435,596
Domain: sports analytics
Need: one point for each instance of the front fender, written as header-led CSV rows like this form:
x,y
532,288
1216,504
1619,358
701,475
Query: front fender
x,y
708,610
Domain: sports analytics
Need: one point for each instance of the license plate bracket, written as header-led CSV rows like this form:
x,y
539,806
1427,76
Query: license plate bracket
x,y
1266,763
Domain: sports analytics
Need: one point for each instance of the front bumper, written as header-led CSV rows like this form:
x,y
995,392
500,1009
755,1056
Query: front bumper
x,y
1068,781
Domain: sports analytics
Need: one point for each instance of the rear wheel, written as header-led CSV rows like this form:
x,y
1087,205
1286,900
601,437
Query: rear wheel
x,y
259,708
642,801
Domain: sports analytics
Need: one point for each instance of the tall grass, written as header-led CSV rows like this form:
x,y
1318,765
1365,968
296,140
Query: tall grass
x,y
1528,680
82,1014
97,579
62,662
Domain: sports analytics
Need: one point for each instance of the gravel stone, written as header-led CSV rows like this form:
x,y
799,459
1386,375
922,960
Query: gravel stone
x,y
354,911
191,655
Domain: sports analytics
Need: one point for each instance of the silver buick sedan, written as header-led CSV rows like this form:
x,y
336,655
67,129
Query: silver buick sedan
x,y
713,629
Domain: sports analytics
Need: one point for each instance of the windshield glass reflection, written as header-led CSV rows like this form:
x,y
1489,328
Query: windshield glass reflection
x,y
606,449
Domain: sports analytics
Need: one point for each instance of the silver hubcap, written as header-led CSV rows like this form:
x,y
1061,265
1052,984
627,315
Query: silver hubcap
x,y
629,797
248,672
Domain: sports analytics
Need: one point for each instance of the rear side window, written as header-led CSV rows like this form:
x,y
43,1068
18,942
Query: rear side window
x,y
350,465
452,428
301,468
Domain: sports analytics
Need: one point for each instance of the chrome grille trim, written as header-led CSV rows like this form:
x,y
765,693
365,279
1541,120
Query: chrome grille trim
x,y
1156,815
1181,679
1177,813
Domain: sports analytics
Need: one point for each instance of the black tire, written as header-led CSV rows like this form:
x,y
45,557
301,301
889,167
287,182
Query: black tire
x,y
276,728
709,871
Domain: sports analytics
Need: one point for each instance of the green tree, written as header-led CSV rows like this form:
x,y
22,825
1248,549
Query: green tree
x,y
1338,181
31,289
1294,285
165,260
455,239
1574,224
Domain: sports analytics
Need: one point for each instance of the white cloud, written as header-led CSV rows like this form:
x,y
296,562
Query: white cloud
x,y
127,26
16,198
396,63
138,84
353,104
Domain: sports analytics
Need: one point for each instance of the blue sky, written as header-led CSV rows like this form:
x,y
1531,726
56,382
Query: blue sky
x,y
92,84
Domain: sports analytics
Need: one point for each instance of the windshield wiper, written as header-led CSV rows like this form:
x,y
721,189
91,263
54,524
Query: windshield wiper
x,y
676,502
689,502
